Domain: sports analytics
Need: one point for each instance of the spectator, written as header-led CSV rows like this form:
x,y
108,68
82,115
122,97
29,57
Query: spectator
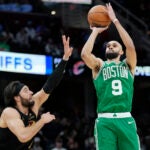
x,y
36,145
59,144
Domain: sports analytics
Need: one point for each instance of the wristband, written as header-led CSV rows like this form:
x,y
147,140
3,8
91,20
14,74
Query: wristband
x,y
115,20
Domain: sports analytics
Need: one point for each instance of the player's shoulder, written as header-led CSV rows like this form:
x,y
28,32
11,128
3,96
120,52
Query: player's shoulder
x,y
9,111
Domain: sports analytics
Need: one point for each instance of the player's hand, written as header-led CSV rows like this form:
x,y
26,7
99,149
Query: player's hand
x,y
47,117
110,12
67,49
98,29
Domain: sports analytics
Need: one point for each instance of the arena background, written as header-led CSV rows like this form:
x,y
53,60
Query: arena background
x,y
41,24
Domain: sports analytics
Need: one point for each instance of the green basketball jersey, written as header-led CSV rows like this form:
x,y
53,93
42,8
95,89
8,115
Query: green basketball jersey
x,y
114,88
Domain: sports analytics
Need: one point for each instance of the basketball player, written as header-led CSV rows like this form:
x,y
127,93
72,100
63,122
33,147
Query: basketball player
x,y
115,128
18,121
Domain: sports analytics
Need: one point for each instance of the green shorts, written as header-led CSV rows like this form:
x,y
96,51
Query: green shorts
x,y
116,134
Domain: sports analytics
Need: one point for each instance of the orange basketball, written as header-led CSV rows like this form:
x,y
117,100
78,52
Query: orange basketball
x,y
98,16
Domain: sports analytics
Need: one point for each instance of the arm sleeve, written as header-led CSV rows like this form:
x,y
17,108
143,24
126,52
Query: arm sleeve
x,y
55,78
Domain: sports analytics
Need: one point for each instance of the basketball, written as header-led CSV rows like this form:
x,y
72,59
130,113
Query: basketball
x,y
98,16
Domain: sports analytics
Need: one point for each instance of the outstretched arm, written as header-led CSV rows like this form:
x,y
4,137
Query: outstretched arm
x,y
55,78
130,48
91,61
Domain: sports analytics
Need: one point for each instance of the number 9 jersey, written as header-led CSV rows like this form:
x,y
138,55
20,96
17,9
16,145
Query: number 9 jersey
x,y
114,88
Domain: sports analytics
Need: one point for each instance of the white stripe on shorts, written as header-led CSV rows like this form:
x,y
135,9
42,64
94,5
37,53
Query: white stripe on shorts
x,y
114,115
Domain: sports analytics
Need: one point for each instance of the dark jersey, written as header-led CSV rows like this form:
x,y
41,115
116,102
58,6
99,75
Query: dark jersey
x,y
8,141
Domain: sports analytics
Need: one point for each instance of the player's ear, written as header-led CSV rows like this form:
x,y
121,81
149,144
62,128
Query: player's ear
x,y
16,98
121,52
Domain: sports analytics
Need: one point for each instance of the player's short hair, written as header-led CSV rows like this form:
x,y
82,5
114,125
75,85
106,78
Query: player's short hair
x,y
11,90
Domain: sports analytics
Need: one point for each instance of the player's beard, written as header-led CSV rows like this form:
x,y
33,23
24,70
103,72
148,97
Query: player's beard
x,y
26,103
111,55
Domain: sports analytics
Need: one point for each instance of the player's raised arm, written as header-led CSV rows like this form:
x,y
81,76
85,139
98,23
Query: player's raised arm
x,y
130,48
55,78
91,61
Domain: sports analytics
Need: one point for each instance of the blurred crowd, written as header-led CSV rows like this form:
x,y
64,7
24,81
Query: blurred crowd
x,y
70,130
37,38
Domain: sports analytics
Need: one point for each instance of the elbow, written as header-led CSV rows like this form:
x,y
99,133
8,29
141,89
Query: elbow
x,y
83,55
23,138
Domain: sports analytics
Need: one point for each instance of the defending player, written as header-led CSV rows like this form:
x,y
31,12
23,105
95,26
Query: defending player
x,y
18,121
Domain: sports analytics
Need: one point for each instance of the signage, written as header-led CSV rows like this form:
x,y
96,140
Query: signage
x,y
26,63
142,71
15,7
69,1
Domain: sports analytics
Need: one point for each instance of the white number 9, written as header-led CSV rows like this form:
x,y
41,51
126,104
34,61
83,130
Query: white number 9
x,y
116,87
